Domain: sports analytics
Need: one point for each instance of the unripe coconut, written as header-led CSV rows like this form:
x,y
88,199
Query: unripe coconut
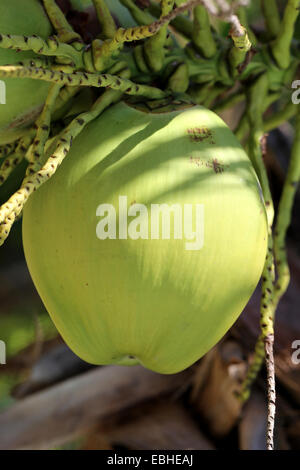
x,y
120,289
24,97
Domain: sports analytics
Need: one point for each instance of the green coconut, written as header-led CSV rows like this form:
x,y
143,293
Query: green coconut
x,y
24,97
121,282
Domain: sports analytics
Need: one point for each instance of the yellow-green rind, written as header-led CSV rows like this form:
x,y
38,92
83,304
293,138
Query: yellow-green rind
x,y
151,301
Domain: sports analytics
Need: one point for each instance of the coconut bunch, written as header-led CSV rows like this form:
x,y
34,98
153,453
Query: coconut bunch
x,y
51,66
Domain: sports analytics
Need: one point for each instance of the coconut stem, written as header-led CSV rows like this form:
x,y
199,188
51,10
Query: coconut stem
x,y
105,19
65,96
13,207
202,33
256,99
238,53
83,79
65,32
254,368
13,160
7,149
271,15
282,45
229,101
49,47
154,46
103,52
269,343
243,17
140,16
181,23
285,114
243,127
43,130
271,296
285,214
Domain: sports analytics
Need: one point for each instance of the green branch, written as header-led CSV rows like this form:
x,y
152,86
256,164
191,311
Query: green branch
x,y
65,32
243,126
238,52
50,47
284,215
105,19
202,34
140,16
271,15
242,14
256,99
13,160
154,47
83,79
14,206
181,23
7,149
229,101
43,130
281,48
278,118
